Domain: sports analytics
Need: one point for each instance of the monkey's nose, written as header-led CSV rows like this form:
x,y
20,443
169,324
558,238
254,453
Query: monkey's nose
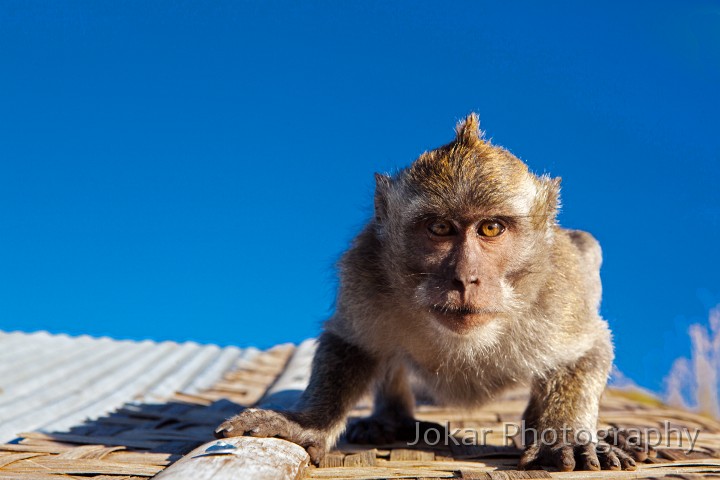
x,y
464,281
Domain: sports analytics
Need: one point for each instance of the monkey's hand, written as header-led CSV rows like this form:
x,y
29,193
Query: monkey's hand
x,y
626,443
382,429
615,451
287,425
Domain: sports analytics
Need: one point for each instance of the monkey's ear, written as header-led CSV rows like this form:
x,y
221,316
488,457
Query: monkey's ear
x,y
382,187
468,130
552,193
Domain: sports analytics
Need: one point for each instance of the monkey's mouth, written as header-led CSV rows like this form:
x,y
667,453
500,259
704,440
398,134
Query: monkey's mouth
x,y
461,318
462,310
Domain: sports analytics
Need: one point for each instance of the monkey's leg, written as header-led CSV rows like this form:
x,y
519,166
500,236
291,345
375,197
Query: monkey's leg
x,y
561,418
392,419
341,374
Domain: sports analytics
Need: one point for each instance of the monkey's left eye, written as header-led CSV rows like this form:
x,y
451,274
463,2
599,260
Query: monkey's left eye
x,y
491,228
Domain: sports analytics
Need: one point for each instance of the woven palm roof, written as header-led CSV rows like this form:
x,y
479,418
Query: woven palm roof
x,y
150,408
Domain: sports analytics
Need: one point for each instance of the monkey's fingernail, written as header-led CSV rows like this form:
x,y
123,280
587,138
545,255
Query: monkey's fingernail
x,y
255,430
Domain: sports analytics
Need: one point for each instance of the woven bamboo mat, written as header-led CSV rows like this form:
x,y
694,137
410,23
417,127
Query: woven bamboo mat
x,y
140,440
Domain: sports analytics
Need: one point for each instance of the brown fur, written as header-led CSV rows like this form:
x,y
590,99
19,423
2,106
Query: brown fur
x,y
468,314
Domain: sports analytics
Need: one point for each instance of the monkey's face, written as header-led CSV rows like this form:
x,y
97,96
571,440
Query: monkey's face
x,y
460,270
467,255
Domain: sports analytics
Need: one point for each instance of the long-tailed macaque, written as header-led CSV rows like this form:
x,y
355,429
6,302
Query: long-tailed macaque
x,y
464,278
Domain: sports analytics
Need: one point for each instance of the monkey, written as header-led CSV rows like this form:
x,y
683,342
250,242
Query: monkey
x,y
464,279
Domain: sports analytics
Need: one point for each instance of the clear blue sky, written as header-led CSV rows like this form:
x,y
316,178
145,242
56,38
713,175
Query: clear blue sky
x,y
192,170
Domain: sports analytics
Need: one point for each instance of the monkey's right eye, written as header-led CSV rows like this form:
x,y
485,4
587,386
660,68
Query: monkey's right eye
x,y
441,228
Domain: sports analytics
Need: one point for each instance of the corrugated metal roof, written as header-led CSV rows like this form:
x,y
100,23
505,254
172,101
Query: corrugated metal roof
x,y
52,382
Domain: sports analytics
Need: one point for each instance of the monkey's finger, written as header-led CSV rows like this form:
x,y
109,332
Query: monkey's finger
x,y
256,423
648,451
586,457
224,430
564,458
626,461
316,452
271,427
632,444
638,449
232,426
642,452
616,437
638,453
530,459
608,460
651,451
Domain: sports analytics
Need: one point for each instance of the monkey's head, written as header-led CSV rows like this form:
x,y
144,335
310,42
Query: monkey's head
x,y
463,230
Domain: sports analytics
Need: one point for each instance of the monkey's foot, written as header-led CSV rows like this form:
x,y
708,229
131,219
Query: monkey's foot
x,y
268,423
381,430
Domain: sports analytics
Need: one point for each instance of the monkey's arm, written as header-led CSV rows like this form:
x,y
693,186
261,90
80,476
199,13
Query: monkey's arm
x,y
566,402
341,374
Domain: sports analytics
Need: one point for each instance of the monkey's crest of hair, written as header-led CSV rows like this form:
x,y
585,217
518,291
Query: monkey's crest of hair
x,y
466,173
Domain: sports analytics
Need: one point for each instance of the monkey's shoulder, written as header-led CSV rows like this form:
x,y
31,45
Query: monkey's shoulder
x,y
586,244
578,246
573,292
